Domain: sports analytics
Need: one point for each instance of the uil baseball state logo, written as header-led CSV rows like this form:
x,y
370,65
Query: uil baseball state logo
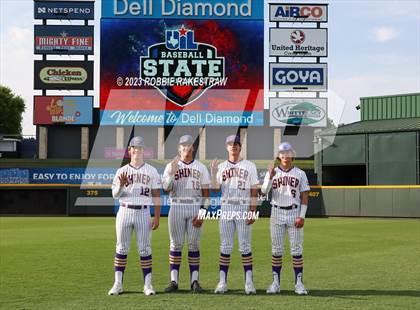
x,y
180,68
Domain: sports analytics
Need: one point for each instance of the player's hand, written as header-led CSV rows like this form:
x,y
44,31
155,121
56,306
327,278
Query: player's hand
x,y
155,223
271,171
213,166
174,165
123,178
251,220
197,222
299,222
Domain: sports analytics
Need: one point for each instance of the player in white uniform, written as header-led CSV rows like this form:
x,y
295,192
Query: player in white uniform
x,y
289,204
187,181
137,186
237,179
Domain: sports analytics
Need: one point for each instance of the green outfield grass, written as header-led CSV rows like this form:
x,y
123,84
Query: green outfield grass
x,y
67,263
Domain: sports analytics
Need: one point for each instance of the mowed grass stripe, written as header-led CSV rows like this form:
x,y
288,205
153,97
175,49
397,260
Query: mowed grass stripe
x,y
67,263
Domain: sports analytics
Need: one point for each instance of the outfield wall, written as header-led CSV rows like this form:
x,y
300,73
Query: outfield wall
x,y
356,201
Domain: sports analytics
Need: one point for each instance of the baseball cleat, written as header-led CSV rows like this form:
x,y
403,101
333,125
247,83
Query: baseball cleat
x,y
116,289
250,289
172,287
274,288
300,289
196,288
148,290
221,288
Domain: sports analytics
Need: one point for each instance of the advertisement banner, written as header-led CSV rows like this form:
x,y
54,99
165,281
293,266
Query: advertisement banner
x,y
64,10
190,9
63,74
115,153
298,77
311,112
182,72
298,42
69,110
292,12
98,176
69,40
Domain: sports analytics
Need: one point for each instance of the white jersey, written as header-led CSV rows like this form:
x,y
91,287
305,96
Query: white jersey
x,y
286,185
187,182
141,182
236,180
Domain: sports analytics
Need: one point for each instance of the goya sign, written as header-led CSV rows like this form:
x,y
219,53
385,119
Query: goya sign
x,y
63,75
70,40
298,111
298,77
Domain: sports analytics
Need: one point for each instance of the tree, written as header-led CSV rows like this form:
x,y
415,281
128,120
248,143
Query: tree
x,y
11,109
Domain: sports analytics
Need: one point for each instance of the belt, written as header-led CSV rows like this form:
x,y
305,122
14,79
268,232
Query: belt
x,y
287,207
137,207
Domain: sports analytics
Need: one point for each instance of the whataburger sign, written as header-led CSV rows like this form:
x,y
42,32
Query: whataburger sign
x,y
298,111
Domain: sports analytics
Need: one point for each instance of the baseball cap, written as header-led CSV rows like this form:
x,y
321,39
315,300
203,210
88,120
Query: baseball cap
x,y
186,139
136,142
233,139
285,147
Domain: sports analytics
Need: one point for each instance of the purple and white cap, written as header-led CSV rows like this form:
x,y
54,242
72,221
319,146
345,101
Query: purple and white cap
x,y
186,139
233,139
136,142
286,147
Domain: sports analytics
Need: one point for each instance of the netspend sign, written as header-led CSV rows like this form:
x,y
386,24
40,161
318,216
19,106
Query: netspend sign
x,y
64,10
298,42
292,12
298,77
310,112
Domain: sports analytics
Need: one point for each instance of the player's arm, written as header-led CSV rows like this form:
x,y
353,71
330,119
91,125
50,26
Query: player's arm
x,y
254,193
214,171
197,220
253,204
169,174
118,184
156,204
268,179
304,198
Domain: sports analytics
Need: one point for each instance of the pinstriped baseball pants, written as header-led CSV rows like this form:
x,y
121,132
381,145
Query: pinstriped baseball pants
x,y
180,222
227,229
138,220
282,221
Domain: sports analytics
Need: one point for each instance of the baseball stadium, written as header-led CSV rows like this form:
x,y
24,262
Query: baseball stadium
x,y
209,153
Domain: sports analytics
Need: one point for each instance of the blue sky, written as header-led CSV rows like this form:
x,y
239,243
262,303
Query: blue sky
x,y
373,49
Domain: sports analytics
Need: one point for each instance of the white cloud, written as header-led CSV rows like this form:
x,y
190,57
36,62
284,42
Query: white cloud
x,y
384,34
